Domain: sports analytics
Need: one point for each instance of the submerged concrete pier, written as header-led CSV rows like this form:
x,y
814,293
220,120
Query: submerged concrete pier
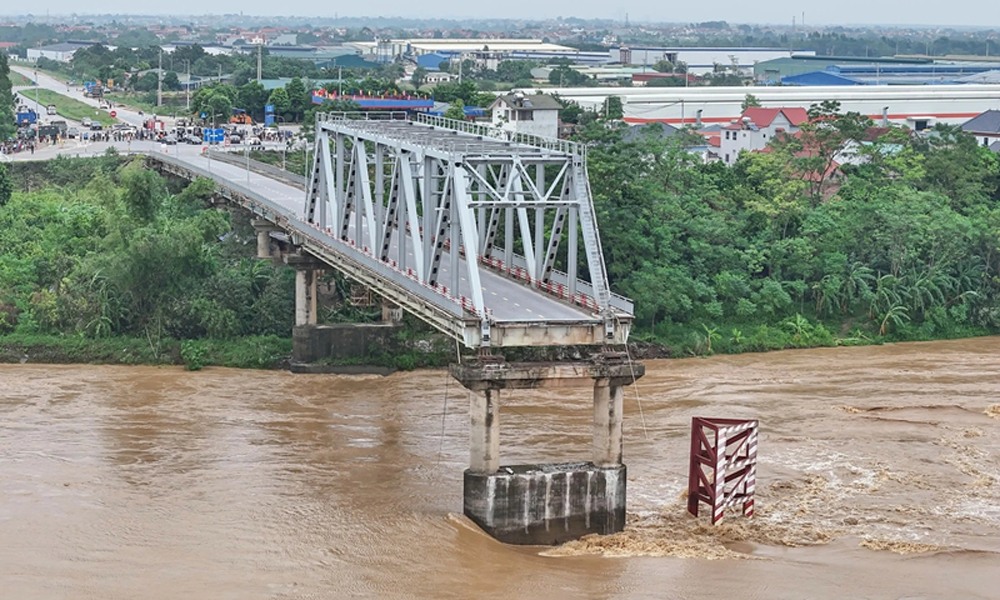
x,y
546,504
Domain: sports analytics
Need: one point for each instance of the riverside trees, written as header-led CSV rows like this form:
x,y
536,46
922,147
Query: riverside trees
x,y
901,243
112,252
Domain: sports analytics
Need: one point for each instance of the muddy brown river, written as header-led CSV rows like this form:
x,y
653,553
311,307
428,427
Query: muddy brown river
x,y
879,477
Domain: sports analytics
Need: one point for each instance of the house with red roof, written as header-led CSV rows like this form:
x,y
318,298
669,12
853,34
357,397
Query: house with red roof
x,y
756,127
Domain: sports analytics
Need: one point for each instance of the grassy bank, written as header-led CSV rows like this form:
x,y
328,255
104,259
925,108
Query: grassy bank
x,y
254,352
139,102
295,162
70,108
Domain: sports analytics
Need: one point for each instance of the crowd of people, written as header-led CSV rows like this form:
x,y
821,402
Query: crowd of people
x,y
13,146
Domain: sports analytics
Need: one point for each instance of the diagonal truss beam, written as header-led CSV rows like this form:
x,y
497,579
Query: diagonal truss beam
x,y
411,202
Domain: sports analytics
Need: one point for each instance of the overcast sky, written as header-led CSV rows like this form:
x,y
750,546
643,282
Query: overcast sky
x,y
981,13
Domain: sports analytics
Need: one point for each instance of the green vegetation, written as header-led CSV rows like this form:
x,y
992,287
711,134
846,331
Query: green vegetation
x,y
6,100
106,263
70,108
811,243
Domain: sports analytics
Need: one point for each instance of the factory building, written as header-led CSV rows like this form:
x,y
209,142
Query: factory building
x,y
58,52
916,106
484,52
700,61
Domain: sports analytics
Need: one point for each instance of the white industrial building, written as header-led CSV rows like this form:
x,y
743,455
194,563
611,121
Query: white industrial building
x,y
917,106
57,52
387,50
534,114
700,60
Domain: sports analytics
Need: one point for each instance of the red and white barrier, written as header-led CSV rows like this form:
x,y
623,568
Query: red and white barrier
x,y
723,470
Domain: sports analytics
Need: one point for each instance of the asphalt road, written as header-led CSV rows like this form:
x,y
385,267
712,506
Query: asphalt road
x,y
508,300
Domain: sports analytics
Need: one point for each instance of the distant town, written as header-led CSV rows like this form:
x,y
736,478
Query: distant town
x,y
524,76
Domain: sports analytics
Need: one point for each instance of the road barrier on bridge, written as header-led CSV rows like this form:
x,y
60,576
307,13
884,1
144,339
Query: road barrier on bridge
x,y
723,470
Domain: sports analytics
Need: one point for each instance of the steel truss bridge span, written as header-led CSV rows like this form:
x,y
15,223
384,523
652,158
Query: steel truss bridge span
x,y
454,222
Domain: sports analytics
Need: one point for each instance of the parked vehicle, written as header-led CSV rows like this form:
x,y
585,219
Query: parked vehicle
x,y
96,127
73,133
50,109
193,140
169,139
85,122
26,116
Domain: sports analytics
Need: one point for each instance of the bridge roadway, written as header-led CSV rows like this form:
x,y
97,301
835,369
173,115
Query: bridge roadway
x,y
507,299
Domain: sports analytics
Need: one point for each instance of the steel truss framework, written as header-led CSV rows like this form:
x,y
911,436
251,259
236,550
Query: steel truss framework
x,y
420,197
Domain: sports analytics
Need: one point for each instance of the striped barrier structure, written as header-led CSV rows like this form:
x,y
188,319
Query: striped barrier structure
x,y
723,465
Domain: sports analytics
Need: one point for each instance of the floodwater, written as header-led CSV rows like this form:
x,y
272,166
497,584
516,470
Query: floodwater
x,y
879,477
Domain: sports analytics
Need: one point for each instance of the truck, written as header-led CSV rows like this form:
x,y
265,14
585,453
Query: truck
x,y
26,116
153,124
48,131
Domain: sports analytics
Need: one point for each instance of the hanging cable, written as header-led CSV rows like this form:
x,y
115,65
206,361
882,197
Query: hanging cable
x,y
635,386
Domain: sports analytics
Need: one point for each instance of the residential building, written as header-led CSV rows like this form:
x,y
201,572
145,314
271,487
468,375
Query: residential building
x,y
756,127
535,114
985,128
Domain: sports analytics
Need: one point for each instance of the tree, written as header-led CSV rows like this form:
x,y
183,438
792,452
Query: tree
x,y
613,108
252,97
147,82
456,110
663,66
144,192
171,81
299,99
6,100
6,187
419,77
279,99
750,101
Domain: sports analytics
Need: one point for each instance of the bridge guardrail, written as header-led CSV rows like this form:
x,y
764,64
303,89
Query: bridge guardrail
x,y
259,167
456,306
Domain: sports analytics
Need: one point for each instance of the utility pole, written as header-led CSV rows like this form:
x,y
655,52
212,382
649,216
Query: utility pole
x,y
340,81
38,107
260,49
159,81
187,86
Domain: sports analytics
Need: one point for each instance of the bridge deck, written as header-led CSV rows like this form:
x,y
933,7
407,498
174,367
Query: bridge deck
x,y
507,299
438,136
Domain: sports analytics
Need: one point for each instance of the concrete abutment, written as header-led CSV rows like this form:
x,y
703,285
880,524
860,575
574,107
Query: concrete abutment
x,y
546,503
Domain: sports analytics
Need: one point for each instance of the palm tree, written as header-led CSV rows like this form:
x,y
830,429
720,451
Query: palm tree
x,y
711,333
897,315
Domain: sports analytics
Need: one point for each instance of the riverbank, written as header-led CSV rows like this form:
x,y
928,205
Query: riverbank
x,y
255,352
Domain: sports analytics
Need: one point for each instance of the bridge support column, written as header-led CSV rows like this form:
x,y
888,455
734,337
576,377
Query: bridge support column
x,y
305,297
391,313
546,503
263,229
484,438
608,410
307,271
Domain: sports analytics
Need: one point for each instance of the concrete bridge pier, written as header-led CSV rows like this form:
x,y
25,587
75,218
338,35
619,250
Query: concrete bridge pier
x,y
264,229
544,504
